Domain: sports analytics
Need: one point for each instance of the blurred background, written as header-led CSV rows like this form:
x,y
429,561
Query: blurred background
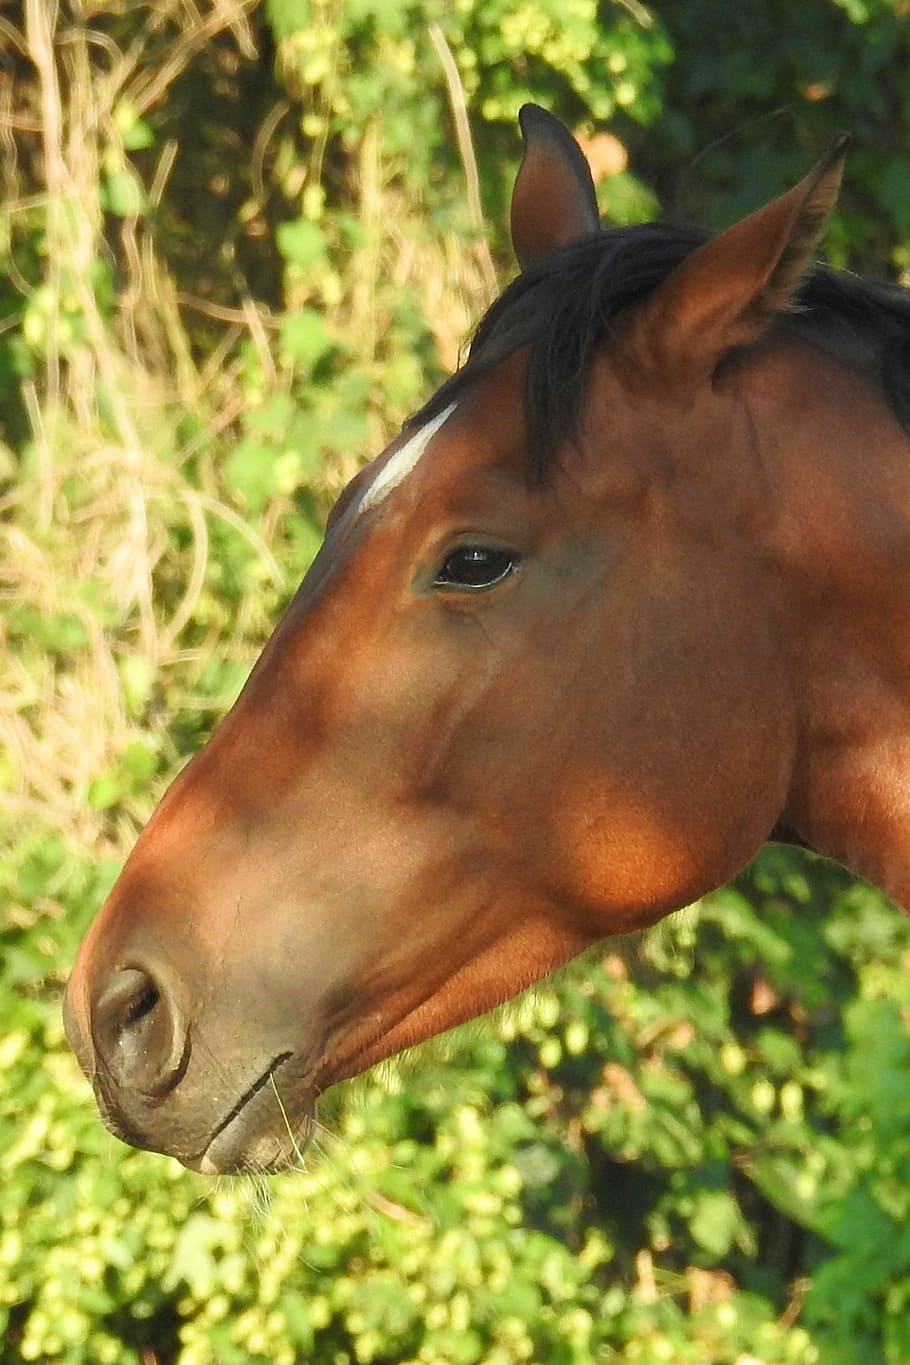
x,y
239,243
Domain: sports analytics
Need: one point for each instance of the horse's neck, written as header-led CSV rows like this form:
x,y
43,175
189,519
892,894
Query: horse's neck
x,y
837,466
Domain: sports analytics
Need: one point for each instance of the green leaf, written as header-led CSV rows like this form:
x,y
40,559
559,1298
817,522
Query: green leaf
x,y
124,194
104,791
250,471
715,1221
304,338
301,243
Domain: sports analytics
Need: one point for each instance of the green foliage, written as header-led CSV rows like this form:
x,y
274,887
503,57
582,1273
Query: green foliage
x,y
223,282
648,1160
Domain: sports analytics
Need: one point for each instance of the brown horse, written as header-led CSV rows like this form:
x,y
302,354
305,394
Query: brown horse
x,y
625,600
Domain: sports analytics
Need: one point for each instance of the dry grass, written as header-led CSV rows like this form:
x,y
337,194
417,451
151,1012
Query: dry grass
x,y
97,489
102,485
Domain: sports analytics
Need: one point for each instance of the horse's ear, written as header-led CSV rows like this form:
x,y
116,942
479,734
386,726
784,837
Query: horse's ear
x,y
553,202
728,292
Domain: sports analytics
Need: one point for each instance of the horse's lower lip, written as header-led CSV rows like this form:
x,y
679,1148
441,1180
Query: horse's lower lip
x,y
258,1133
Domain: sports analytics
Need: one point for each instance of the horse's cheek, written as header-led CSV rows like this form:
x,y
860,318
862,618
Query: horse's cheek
x,y
685,760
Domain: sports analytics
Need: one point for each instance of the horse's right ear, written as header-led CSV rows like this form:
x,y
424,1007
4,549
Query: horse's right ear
x,y
553,202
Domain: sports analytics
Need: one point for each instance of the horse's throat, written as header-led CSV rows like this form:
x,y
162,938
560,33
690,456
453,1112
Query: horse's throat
x,y
851,797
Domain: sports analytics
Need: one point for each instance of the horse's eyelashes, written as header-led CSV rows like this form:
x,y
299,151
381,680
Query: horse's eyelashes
x,y
472,568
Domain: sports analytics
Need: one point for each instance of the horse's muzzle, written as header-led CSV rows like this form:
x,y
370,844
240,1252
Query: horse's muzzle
x,y
158,1089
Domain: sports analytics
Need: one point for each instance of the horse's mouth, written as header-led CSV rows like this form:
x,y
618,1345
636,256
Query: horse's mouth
x,y
264,1131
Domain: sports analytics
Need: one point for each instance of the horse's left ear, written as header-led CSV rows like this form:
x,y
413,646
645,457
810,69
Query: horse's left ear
x,y
728,292
553,202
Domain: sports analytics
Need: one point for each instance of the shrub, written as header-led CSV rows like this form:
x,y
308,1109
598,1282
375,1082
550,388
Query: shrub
x,y
239,243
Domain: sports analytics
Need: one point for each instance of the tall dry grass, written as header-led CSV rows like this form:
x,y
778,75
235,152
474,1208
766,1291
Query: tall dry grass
x,y
105,506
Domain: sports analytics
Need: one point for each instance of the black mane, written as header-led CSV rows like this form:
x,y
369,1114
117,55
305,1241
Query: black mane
x,y
566,305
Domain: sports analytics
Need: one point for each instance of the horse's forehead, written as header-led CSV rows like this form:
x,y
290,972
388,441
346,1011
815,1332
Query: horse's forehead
x,y
393,470
350,525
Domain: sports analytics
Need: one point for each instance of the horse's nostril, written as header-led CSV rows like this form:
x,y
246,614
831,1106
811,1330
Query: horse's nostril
x,y
140,1035
141,1006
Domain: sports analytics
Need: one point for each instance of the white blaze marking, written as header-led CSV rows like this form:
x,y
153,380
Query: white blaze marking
x,y
404,461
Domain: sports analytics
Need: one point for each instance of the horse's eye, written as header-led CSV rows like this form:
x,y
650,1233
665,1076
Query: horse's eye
x,y
475,567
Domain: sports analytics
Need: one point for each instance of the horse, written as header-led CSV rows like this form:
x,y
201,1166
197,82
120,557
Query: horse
x,y
623,601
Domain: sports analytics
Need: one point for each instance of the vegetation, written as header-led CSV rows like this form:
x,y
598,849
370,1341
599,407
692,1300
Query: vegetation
x,y
238,243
